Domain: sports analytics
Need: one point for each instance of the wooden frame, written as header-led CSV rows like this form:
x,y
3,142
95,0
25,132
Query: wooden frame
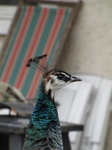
x,y
58,2
75,6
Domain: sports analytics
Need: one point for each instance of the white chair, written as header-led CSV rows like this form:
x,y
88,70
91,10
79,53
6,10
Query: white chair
x,y
74,100
98,119
89,103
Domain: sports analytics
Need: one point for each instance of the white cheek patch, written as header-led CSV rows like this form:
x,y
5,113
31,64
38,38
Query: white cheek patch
x,y
57,83
53,77
54,84
48,85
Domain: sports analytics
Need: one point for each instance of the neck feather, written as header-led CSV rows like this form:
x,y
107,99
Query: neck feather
x,y
44,127
45,109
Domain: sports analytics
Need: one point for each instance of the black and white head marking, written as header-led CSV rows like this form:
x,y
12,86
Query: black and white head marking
x,y
52,79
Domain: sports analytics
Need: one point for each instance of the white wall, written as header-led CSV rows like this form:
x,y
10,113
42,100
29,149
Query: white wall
x,y
89,47
6,17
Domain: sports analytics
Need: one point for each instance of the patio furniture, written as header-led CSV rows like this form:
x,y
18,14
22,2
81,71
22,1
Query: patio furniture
x,y
12,130
100,108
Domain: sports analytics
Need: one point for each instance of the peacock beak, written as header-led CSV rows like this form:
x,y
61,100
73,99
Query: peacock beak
x,y
75,79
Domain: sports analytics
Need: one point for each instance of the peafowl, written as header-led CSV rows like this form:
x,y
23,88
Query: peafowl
x,y
43,131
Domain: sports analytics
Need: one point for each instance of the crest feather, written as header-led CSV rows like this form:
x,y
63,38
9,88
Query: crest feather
x,y
38,62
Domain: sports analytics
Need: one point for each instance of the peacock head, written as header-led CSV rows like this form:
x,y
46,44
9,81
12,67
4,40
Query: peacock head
x,y
52,79
56,79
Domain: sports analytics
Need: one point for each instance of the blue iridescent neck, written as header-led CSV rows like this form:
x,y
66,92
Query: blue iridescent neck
x,y
44,128
45,109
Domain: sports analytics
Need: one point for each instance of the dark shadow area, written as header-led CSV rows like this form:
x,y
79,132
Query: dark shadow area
x,y
7,2
4,141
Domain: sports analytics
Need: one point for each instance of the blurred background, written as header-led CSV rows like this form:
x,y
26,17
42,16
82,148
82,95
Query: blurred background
x,y
89,46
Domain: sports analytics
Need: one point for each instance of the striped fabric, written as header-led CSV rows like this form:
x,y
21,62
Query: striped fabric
x,y
37,32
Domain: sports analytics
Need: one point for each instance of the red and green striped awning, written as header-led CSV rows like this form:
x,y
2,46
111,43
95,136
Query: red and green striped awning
x,y
38,31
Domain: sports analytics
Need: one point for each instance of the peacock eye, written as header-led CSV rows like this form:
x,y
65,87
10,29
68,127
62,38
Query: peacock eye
x,y
60,76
